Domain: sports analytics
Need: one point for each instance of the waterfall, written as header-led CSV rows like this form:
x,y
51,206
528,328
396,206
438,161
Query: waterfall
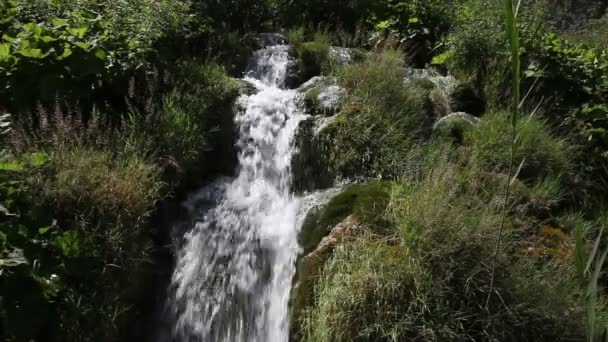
x,y
235,265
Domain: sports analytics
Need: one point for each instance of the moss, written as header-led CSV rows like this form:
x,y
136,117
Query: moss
x,y
366,202
314,55
311,100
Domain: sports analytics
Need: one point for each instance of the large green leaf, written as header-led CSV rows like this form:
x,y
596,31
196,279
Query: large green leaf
x,y
79,31
31,53
83,45
5,53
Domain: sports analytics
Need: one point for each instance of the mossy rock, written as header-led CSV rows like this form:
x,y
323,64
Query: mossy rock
x,y
314,57
454,126
311,99
366,202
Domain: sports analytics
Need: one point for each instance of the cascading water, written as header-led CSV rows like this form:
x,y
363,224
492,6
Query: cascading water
x,y
235,266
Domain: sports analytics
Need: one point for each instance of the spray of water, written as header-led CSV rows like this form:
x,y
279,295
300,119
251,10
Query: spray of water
x,y
235,266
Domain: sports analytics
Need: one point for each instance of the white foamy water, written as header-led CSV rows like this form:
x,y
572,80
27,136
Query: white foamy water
x,y
235,267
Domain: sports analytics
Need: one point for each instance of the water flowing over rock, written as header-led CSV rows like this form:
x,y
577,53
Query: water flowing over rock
x,y
323,95
236,262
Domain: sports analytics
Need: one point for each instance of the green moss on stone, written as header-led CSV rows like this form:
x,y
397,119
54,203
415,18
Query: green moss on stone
x,y
366,202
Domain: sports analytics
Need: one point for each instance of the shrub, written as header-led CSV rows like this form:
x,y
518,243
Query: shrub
x,y
541,152
101,203
381,116
91,186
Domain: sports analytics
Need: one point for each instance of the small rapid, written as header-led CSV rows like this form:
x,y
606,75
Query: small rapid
x,y
235,265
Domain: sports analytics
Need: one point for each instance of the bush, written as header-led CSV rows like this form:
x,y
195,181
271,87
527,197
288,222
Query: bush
x,y
542,153
380,118
84,50
82,214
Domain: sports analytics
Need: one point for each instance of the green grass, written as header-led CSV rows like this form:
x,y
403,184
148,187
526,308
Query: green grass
x,y
431,279
314,55
542,153
108,197
381,116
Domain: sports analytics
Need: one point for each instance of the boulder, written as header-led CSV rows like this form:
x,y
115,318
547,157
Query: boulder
x,y
455,124
341,55
323,95
310,166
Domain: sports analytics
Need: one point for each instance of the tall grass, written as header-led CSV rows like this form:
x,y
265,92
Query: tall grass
x,y
381,117
589,265
510,12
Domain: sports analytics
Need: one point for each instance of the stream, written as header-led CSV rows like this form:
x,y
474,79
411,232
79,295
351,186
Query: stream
x,y
235,265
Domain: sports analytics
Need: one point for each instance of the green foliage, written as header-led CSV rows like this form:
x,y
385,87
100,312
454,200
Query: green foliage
x,y
575,71
593,34
336,13
420,25
589,266
314,55
28,285
432,285
365,288
66,219
537,150
196,118
380,119
78,49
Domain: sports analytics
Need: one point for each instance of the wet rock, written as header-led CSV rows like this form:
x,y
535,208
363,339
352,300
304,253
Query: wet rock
x,y
454,125
441,88
310,166
294,78
323,95
341,55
